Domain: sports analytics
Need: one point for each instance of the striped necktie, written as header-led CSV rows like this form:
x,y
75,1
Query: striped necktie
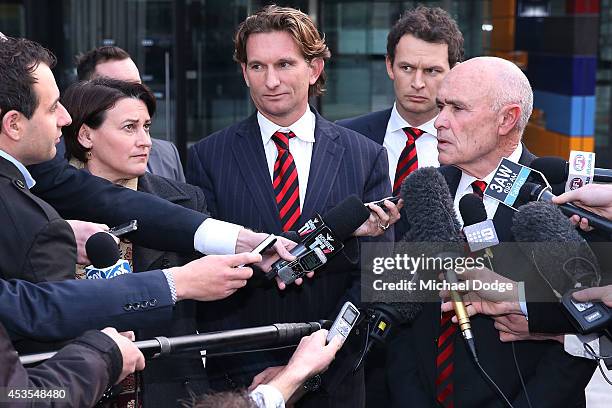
x,y
408,161
285,182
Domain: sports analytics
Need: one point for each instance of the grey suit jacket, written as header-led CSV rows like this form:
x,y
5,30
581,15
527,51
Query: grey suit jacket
x,y
164,160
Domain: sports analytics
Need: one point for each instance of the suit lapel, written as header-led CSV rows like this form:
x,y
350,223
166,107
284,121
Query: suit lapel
x,y
378,126
251,159
324,165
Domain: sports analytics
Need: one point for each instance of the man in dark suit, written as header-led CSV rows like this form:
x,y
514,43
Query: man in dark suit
x,y
484,107
113,62
422,46
273,171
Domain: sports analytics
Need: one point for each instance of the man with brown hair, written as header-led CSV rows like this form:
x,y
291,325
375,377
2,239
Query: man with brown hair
x,y
422,47
114,62
273,171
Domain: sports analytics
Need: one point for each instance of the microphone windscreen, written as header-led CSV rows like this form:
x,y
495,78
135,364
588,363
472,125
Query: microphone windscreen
x,y
429,208
472,209
552,243
102,250
346,217
553,168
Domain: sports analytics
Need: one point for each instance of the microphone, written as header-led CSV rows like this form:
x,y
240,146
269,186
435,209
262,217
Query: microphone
x,y
322,238
556,170
264,336
563,259
429,207
103,252
478,230
535,192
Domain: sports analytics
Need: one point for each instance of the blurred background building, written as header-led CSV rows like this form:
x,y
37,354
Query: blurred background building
x,y
184,51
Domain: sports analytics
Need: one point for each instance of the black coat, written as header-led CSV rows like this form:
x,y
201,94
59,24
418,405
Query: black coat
x,y
36,244
84,368
167,380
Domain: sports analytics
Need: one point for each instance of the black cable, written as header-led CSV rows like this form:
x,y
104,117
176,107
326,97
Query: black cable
x,y
520,374
365,349
497,389
598,358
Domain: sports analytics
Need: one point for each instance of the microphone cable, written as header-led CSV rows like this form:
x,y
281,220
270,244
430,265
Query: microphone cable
x,y
598,357
520,374
490,380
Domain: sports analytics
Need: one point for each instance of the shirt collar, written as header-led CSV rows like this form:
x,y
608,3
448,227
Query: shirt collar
x,y
303,128
396,122
467,180
30,182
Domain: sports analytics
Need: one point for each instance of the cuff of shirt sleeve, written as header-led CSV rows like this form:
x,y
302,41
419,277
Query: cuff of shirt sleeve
x,y
171,285
267,396
214,237
574,344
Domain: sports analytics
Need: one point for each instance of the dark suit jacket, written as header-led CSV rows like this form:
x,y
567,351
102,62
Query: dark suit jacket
x,y
231,168
47,311
36,244
374,126
86,367
553,377
168,380
164,160
76,194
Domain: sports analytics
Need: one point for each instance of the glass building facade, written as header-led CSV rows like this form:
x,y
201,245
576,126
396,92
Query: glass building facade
x,y
183,49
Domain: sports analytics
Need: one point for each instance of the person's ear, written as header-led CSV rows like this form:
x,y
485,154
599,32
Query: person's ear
x,y
85,137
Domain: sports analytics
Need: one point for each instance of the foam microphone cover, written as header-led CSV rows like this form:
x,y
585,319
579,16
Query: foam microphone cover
x,y
553,168
472,209
102,250
550,241
429,208
346,217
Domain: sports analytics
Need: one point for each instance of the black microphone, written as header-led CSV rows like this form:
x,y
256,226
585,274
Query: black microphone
x,y
323,241
102,250
564,260
429,207
556,170
536,192
264,336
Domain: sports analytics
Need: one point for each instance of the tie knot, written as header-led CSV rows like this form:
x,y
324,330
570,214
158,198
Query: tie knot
x,y
479,188
413,133
282,139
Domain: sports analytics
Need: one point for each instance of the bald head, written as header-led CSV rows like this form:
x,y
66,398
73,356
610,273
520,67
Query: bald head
x,y
500,81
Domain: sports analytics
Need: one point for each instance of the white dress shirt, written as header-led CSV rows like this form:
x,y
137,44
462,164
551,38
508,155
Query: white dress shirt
x,y
465,187
395,141
300,146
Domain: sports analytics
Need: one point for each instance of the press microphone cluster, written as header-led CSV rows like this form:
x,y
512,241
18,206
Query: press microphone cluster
x,y
264,336
322,238
103,252
428,201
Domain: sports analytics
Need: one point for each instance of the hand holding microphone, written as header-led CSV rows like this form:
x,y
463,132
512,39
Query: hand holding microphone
x,y
83,230
596,198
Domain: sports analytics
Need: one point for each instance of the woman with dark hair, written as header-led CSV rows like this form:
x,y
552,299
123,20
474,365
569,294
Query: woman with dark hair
x,y
109,137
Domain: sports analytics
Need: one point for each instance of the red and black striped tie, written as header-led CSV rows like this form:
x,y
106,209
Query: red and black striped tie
x,y
285,182
444,360
408,161
479,187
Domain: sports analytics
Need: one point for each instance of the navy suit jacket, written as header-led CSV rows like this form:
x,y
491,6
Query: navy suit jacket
x,y
230,166
63,310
